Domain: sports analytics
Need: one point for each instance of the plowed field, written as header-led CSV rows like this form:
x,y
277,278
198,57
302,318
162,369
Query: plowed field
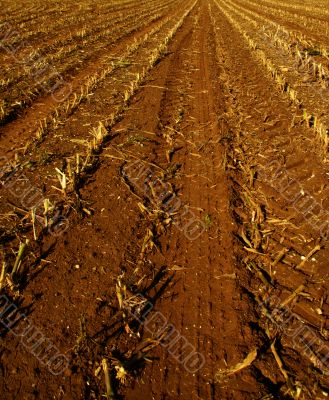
x,y
164,199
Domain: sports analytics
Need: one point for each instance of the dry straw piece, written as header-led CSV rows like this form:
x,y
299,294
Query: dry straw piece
x,y
222,374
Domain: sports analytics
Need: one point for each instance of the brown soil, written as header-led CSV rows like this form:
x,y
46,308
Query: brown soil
x,y
183,269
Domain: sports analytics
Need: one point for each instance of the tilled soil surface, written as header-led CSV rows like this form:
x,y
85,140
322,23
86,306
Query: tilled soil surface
x,y
188,259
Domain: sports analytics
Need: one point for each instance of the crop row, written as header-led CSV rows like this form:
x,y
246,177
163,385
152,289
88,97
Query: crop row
x,y
314,46
47,34
85,35
290,74
41,75
268,239
292,43
70,179
316,29
39,12
314,10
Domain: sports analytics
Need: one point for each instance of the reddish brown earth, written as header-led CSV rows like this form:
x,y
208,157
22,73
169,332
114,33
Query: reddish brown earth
x,y
191,258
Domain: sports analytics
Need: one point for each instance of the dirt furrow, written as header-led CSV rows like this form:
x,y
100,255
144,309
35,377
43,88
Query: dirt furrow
x,y
278,205
206,304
